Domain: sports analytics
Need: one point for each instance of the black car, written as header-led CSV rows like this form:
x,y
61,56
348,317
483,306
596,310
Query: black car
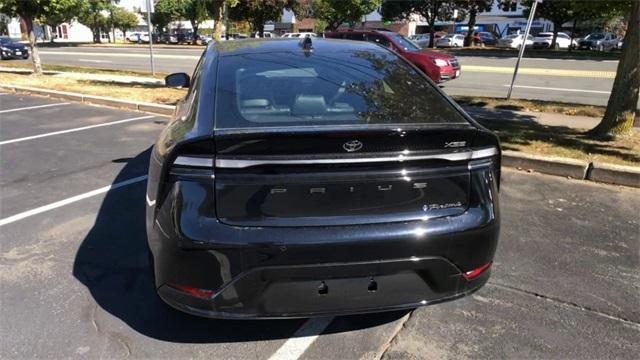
x,y
314,177
488,38
11,49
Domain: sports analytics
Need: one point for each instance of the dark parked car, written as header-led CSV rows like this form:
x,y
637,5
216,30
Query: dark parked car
x,y
438,66
597,41
312,177
487,38
11,49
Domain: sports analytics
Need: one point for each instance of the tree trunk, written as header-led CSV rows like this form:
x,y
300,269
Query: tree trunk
x,y
554,39
217,11
468,40
194,27
622,108
573,34
96,29
432,22
113,28
35,56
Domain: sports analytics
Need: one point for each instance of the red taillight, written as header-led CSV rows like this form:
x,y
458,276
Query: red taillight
x,y
189,290
470,275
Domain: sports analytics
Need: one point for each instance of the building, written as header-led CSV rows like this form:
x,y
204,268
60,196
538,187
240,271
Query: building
x,y
504,22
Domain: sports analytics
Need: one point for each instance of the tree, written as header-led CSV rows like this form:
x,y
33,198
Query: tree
x,y
431,10
28,11
473,7
556,11
216,11
165,11
91,14
64,12
622,108
338,12
196,12
123,20
258,12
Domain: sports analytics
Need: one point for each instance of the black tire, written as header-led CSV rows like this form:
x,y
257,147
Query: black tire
x,y
25,56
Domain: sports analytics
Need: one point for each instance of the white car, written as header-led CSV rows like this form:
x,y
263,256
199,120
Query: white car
x,y
133,37
451,40
138,37
299,34
514,41
543,40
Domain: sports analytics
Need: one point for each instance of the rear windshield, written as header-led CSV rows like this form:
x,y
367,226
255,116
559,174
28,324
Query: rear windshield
x,y
338,88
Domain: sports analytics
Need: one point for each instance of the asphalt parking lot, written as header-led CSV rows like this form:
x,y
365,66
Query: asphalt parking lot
x,y
75,280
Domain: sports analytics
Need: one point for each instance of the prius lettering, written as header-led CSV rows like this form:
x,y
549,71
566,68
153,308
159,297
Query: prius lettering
x,y
351,189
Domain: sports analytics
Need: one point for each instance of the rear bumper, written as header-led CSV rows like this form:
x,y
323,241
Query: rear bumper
x,y
276,272
354,288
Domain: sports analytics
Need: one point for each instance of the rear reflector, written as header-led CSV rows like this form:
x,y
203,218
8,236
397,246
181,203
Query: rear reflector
x,y
192,291
193,161
470,275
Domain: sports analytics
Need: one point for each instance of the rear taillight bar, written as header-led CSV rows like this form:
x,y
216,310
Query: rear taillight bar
x,y
237,163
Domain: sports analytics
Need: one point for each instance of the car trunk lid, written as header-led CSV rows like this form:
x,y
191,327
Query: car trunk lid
x,y
290,178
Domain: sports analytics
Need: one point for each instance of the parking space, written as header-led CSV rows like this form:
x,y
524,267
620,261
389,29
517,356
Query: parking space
x,y
76,281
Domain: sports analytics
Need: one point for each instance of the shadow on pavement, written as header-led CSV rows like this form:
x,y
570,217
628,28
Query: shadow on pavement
x,y
112,263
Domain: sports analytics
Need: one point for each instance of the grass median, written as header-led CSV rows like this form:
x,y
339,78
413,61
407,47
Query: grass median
x,y
519,134
530,137
530,105
154,93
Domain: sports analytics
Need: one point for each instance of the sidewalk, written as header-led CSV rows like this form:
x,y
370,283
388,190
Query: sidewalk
x,y
549,119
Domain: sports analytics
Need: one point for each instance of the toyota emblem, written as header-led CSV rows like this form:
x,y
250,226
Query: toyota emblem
x,y
353,145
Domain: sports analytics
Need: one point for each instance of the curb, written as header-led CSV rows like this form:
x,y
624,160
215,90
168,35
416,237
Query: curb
x,y
614,174
97,100
576,169
572,168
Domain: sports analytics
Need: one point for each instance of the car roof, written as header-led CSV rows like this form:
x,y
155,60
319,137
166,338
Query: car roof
x,y
251,46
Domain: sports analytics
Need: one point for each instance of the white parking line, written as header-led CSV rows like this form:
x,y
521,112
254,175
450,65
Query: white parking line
x,y
74,130
70,200
302,339
559,89
33,107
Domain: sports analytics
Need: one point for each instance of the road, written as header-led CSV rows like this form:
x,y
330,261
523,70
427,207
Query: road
x,y
577,81
76,282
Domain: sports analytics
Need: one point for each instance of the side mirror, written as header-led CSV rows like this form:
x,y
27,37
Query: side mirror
x,y
177,80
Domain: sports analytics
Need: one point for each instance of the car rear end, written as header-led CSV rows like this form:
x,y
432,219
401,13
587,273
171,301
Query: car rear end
x,y
326,185
542,41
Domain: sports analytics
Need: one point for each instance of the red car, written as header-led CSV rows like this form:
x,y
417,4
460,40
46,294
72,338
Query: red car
x,y
439,67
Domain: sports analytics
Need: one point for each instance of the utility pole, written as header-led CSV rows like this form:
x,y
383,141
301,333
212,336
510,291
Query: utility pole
x,y
150,27
524,45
